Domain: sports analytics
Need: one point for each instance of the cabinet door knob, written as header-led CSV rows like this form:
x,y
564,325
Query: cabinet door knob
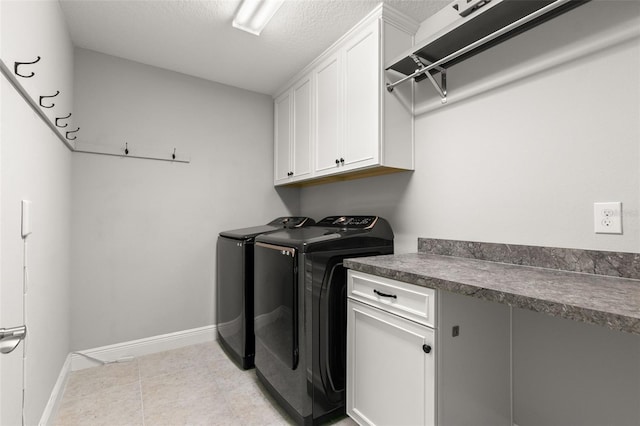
x,y
426,348
337,161
342,160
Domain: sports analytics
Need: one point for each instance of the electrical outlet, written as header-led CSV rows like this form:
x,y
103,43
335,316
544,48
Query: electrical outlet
x,y
607,218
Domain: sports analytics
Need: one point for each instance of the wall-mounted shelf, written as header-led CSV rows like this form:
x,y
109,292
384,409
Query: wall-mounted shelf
x,y
490,23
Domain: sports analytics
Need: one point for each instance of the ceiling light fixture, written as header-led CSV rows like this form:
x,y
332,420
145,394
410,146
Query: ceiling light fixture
x,y
253,15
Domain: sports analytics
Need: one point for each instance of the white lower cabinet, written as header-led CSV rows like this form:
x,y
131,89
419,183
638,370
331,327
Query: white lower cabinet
x,y
417,356
391,380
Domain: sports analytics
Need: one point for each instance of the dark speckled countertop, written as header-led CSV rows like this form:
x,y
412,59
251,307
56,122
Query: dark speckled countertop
x,y
606,300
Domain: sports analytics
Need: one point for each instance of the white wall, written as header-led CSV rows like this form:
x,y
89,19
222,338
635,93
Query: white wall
x,y
144,232
36,166
523,164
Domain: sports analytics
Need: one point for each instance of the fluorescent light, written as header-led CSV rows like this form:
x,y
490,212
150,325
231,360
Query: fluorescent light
x,y
253,15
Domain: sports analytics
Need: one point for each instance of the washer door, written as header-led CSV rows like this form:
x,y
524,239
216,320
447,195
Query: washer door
x,y
275,302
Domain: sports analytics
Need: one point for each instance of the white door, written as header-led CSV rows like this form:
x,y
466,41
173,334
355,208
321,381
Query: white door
x,y
328,120
390,377
11,260
361,98
282,155
302,129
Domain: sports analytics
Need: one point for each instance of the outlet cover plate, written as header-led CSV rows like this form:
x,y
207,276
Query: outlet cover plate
x,y
607,218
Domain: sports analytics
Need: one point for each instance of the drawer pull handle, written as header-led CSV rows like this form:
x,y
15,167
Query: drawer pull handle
x,y
379,293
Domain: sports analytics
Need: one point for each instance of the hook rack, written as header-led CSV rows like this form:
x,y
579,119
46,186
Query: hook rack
x,y
17,64
138,152
71,141
50,96
62,118
13,80
72,131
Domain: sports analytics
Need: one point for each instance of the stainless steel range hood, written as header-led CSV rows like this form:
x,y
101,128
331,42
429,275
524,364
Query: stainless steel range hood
x,y
476,25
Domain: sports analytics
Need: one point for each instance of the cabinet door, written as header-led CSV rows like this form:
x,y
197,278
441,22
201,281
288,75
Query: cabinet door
x,y
302,128
327,111
390,378
282,137
362,71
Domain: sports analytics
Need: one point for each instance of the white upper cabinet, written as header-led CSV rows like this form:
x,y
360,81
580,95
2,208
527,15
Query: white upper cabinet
x,y
357,128
292,116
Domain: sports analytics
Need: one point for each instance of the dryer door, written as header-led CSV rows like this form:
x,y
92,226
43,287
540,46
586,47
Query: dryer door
x,y
275,302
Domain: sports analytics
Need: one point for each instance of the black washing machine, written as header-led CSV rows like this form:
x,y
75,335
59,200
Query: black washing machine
x,y
301,310
234,287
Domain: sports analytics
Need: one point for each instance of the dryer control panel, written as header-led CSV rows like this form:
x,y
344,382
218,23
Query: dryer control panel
x,y
291,222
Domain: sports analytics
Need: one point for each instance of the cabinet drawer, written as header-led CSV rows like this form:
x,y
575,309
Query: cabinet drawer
x,y
406,300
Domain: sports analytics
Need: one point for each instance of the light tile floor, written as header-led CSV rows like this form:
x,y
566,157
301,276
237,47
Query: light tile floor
x,y
194,385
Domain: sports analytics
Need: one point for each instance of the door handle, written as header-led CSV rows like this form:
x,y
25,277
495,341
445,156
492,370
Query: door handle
x,y
379,293
11,337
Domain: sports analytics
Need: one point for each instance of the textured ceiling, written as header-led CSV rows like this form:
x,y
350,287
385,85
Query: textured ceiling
x,y
195,37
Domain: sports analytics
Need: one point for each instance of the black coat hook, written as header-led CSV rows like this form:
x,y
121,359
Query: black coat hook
x,y
17,64
72,131
51,96
62,118
174,154
126,148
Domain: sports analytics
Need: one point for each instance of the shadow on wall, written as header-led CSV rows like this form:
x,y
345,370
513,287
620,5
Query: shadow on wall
x,y
290,197
380,195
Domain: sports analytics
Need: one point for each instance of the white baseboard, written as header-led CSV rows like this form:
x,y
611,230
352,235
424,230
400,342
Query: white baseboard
x,y
146,346
56,394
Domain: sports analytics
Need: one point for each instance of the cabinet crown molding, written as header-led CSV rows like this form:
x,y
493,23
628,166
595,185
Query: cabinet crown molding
x,y
387,13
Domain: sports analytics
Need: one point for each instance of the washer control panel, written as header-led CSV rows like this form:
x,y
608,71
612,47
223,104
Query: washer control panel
x,y
353,222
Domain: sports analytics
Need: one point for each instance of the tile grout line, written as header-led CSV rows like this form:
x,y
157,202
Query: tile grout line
x,y
140,387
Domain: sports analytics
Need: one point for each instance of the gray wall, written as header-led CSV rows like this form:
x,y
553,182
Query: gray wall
x,y
36,166
144,232
523,163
